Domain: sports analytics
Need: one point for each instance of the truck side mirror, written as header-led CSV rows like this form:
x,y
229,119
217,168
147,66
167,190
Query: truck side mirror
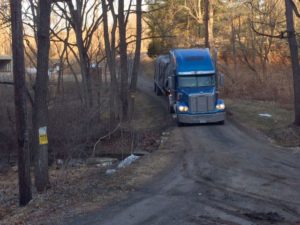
x,y
221,80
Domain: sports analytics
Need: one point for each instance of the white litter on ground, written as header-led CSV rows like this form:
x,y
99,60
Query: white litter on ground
x,y
110,171
127,161
265,115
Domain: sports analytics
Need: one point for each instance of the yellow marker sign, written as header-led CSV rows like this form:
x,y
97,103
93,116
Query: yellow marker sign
x,y
43,137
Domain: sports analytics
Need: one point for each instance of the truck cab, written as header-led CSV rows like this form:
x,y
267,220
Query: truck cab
x,y
191,86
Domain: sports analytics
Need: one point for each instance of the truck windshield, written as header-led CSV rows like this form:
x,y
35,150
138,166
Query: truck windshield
x,y
196,81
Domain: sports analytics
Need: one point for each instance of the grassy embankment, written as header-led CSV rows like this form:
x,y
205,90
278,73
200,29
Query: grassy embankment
x,y
277,127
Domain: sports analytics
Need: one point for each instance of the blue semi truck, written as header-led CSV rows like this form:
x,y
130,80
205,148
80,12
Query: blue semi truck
x,y
190,79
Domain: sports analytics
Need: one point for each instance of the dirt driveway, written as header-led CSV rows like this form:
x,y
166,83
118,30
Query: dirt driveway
x,y
219,175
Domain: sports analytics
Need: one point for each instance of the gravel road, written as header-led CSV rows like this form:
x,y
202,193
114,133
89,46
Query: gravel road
x,y
221,174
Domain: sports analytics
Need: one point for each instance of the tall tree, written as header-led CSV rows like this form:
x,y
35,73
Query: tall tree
x,y
208,23
110,51
123,60
40,108
20,103
137,55
293,45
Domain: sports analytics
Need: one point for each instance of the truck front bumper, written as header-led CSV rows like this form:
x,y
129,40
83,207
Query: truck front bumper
x,y
202,118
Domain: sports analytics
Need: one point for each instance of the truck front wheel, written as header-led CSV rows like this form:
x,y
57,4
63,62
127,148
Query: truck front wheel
x,y
179,124
222,122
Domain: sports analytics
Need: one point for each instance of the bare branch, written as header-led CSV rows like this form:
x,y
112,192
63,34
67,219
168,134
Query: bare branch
x,y
280,36
295,9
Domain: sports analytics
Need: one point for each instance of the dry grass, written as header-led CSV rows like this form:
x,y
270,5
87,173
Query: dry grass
x,y
78,191
248,93
278,127
74,191
274,86
249,110
148,114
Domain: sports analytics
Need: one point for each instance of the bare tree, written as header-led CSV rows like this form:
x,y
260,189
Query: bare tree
x,y
208,23
137,55
194,14
265,17
110,50
293,45
79,16
20,103
202,12
123,60
194,9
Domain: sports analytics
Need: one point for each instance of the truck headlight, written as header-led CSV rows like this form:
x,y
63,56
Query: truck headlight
x,y
220,106
182,108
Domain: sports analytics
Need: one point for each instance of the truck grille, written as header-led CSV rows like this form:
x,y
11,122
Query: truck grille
x,y
201,103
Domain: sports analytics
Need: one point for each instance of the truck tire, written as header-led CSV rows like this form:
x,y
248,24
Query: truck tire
x,y
179,124
222,122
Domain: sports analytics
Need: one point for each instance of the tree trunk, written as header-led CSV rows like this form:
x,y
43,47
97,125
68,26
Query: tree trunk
x,y
208,23
233,39
20,103
123,61
80,94
211,25
83,55
110,56
85,70
294,57
137,56
40,109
